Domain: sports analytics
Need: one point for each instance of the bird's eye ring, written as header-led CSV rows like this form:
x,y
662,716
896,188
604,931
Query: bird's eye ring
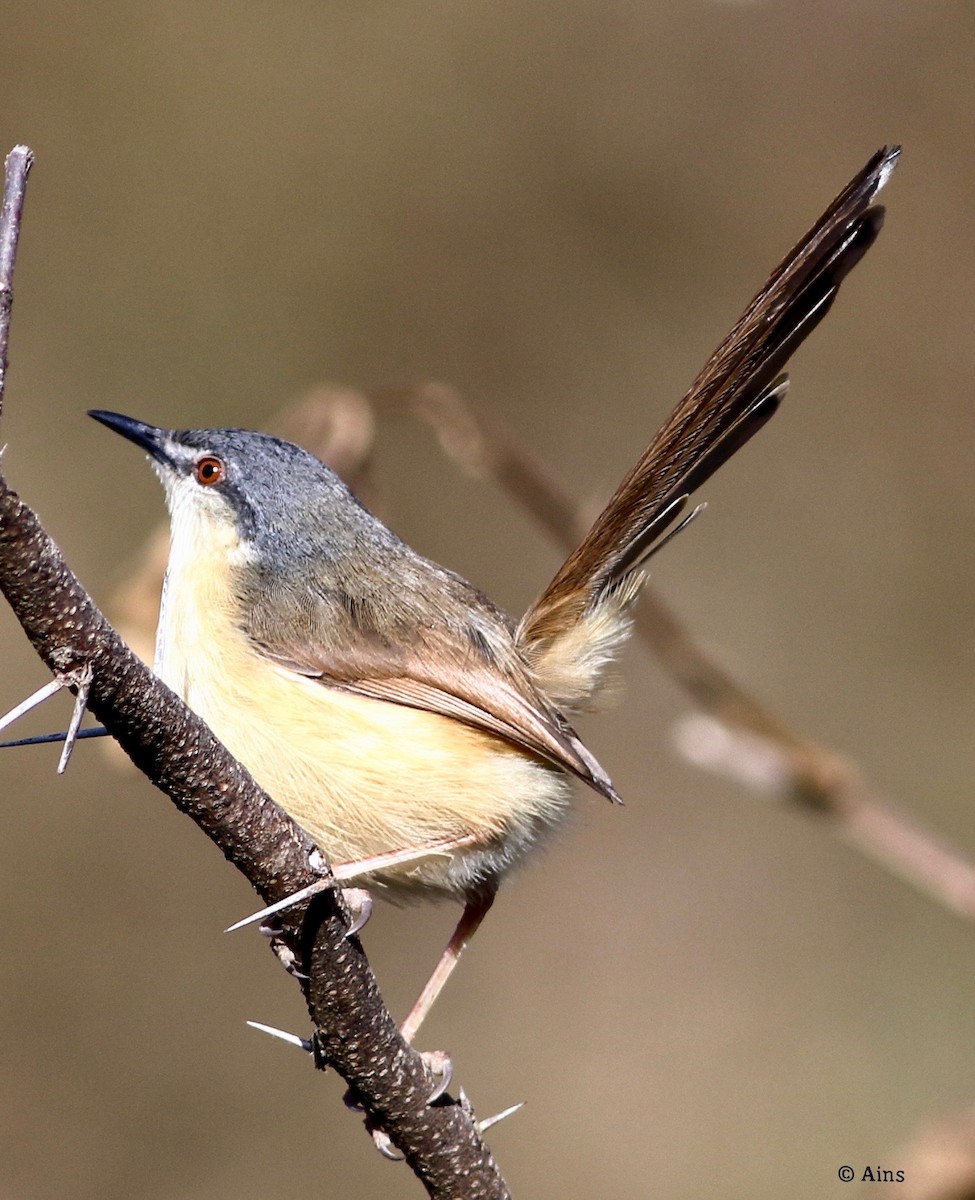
x,y
209,471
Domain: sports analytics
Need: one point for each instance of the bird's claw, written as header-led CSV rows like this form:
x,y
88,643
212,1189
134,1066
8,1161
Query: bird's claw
x,y
360,906
384,1144
440,1066
283,948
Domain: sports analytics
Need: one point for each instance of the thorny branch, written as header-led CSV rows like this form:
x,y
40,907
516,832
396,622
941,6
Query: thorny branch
x,y
353,1031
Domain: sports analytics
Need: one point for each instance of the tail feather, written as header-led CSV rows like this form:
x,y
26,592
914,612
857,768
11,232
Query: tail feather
x,y
735,394
730,442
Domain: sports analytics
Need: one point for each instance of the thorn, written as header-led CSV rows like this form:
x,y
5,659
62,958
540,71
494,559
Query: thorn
x,y
291,1038
45,693
82,684
360,902
397,858
295,898
483,1126
42,739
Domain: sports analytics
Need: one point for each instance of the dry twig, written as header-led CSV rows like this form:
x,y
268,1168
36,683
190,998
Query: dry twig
x,y
16,169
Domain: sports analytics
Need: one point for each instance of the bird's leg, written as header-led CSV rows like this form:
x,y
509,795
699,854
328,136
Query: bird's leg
x,y
437,1062
475,910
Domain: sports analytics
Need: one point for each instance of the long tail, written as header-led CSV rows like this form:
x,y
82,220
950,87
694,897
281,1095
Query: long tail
x,y
738,390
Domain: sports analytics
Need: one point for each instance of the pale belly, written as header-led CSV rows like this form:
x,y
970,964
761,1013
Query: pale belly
x,y
365,776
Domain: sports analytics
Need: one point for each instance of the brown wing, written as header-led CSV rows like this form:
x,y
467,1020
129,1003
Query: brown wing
x,y
731,399
464,665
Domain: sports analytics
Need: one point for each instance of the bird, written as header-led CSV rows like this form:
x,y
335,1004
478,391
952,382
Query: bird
x,y
416,732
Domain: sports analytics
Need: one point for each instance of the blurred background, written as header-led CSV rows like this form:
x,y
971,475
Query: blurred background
x,y
558,208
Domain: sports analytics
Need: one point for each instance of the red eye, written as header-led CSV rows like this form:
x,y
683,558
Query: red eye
x,y
209,471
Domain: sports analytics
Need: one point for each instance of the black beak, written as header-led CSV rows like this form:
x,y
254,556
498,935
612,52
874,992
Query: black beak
x,y
151,439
